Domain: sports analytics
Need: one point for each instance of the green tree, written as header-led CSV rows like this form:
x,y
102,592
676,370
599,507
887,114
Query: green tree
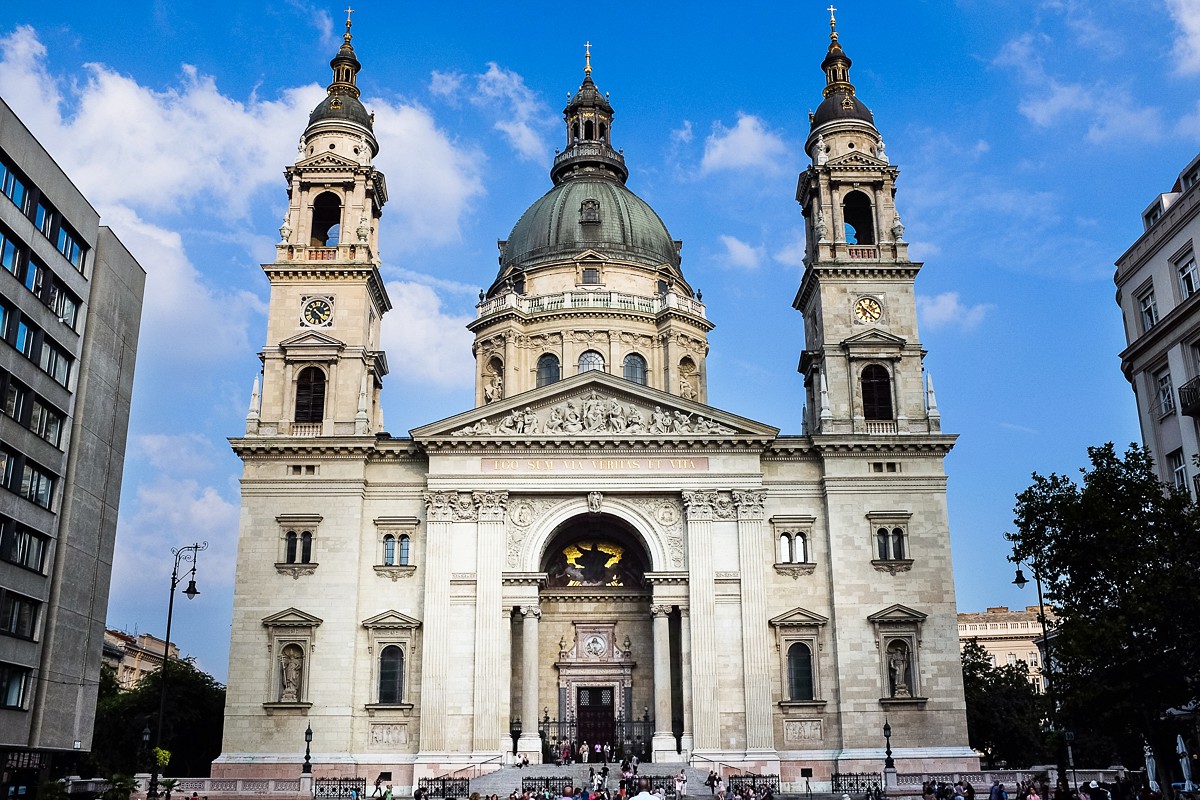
x,y
1004,713
192,723
1117,555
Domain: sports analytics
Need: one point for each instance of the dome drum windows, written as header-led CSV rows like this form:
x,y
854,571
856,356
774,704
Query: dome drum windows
x,y
634,368
548,369
589,360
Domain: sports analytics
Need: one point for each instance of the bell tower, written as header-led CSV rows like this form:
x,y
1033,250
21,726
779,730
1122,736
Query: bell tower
x,y
862,365
322,363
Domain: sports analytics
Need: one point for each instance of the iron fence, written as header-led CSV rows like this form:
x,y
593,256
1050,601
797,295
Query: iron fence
x,y
561,737
857,782
761,784
339,787
445,786
553,784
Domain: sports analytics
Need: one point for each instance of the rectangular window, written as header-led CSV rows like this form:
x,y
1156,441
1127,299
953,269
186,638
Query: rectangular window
x,y
36,486
12,186
8,467
1178,469
21,546
14,682
35,274
64,304
70,247
18,615
1166,392
1148,309
8,252
1189,279
43,217
26,339
591,275
46,423
16,397
56,363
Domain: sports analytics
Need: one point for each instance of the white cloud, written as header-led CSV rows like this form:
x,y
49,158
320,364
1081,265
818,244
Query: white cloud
x,y
446,84
739,254
425,343
1186,14
519,112
946,310
747,145
683,134
175,453
794,251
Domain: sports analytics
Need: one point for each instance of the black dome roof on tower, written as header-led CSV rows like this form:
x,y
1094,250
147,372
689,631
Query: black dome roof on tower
x,y
341,102
589,207
840,101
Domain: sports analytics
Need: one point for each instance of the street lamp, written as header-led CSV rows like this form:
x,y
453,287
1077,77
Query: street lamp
x,y
888,762
307,768
514,730
186,555
1019,581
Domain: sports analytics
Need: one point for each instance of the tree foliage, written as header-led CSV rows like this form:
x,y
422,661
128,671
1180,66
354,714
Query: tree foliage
x,y
1117,555
192,722
1004,713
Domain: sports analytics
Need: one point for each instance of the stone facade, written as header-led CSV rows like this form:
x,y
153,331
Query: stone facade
x,y
1008,637
593,551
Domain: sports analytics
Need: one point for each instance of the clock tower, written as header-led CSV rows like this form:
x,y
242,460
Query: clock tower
x,y
862,363
322,364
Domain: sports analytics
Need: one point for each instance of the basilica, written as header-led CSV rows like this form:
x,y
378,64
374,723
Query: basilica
x,y
593,553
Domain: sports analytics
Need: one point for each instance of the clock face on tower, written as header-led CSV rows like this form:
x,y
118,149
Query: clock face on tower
x,y
867,309
318,312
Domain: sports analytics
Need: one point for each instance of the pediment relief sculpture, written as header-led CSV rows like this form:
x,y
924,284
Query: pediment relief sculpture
x,y
593,413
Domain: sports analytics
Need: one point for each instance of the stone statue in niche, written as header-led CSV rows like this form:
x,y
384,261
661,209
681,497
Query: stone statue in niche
x,y
594,501
687,385
898,667
291,664
493,390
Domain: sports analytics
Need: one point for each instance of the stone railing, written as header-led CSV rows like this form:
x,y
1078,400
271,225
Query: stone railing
x,y
858,252
877,427
620,301
184,787
306,429
911,783
354,251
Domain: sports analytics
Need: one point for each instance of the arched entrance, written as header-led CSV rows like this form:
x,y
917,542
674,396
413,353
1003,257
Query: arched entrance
x,y
598,682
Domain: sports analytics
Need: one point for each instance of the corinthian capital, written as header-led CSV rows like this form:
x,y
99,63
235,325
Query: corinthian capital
x,y
490,505
439,506
750,503
700,504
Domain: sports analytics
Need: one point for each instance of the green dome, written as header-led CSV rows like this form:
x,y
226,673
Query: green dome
x,y
617,222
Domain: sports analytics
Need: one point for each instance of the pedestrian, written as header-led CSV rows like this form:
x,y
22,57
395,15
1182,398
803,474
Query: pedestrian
x,y
568,793
387,795
681,784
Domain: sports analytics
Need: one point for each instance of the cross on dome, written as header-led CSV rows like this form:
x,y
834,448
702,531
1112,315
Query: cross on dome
x,y
587,58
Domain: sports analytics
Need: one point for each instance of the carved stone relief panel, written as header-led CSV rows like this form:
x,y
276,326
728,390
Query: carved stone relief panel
x,y
387,735
522,513
668,516
802,730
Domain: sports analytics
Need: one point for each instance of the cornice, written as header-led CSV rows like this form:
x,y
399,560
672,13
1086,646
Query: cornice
x,y
540,445
477,326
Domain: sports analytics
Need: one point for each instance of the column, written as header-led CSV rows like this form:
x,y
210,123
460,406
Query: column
x,y
530,743
511,370
706,727
754,547
490,507
685,660
664,740
435,628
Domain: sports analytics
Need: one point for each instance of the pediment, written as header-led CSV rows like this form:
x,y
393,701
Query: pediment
x,y
311,341
589,255
598,406
874,339
291,618
897,613
798,617
856,158
391,619
328,159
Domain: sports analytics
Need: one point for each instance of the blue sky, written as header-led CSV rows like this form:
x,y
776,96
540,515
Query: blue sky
x,y
1030,135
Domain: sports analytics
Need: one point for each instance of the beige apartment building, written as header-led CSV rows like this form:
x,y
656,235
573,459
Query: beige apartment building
x,y
1008,637
134,657
592,552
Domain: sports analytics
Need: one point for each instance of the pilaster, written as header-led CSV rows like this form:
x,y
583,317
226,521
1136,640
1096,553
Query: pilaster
x,y
490,542
706,728
753,549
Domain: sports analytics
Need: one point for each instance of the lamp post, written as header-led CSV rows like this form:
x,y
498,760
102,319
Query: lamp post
x,y
888,761
146,744
307,768
1048,662
184,555
514,730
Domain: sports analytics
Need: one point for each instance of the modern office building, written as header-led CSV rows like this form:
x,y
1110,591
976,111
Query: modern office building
x,y
1158,290
593,553
70,309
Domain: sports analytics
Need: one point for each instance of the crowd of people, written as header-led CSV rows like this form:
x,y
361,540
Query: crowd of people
x,y
631,786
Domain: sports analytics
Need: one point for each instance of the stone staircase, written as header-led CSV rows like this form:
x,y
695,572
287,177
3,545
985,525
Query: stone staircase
x,y
503,781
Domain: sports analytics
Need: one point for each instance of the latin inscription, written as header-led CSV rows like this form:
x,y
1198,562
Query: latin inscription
x,y
682,464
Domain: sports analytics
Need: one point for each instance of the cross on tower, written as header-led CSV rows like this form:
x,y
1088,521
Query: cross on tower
x,y
832,21
349,11
587,57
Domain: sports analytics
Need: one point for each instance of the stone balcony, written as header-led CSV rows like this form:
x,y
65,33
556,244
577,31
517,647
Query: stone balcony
x,y
354,251
534,305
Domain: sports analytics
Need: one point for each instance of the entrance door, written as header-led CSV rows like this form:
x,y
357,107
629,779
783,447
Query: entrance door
x,y
596,718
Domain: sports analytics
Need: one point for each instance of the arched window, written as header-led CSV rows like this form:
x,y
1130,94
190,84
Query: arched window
x,y
310,395
391,675
876,393
785,549
800,548
306,547
575,129
898,543
547,369
635,368
881,544
857,214
289,555
590,359
588,130
603,132
326,220
404,549
800,672
389,550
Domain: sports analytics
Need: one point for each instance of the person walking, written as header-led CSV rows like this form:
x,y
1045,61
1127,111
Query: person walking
x,y
681,784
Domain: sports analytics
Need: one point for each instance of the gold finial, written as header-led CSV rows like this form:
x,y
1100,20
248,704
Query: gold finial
x,y
587,58
832,21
